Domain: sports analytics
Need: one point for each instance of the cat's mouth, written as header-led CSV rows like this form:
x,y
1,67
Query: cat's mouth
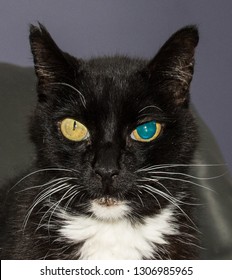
x,y
107,201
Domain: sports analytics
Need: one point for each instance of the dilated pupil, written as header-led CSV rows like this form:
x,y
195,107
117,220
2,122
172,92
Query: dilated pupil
x,y
147,130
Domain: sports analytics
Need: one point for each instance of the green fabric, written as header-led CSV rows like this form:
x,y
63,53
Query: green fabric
x,y
17,98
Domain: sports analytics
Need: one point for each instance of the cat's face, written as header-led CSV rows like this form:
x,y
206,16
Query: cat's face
x,y
117,127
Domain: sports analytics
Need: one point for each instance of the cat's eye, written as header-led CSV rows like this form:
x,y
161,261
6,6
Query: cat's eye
x,y
73,130
146,132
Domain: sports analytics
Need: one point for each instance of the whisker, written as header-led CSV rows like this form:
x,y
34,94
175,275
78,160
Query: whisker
x,y
188,175
168,198
185,181
47,192
150,106
42,197
56,181
73,195
160,166
38,171
173,198
58,203
190,227
156,181
83,101
147,191
140,199
168,192
190,243
55,204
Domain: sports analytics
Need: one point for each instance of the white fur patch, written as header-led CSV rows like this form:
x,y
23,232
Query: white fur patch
x,y
117,238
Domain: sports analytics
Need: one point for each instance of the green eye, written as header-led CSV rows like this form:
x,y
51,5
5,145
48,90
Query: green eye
x,y
146,132
73,130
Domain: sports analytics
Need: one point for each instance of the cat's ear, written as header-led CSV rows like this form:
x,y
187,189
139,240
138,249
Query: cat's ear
x,y
49,61
172,67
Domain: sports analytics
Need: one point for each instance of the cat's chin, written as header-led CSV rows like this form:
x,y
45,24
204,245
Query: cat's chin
x,y
107,208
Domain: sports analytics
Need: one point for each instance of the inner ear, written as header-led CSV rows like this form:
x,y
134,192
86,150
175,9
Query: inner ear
x,y
56,70
172,68
49,61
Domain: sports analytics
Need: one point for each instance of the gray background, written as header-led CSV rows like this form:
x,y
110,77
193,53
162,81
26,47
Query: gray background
x,y
135,27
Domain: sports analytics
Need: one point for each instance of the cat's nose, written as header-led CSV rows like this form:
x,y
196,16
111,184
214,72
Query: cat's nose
x,y
107,176
106,172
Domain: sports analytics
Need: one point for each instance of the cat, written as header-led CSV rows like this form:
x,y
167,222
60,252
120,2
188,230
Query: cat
x,y
114,139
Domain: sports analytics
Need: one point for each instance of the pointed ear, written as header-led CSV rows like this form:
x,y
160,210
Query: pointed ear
x,y
173,66
49,61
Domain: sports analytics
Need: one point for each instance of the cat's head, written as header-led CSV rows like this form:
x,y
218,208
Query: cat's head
x,y
119,126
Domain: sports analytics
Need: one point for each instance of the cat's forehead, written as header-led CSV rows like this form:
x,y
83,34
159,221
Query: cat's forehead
x,y
113,66
111,82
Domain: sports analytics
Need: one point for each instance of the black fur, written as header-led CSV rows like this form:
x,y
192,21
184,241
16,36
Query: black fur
x,y
115,92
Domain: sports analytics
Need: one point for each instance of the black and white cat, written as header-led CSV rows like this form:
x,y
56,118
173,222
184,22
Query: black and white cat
x,y
114,138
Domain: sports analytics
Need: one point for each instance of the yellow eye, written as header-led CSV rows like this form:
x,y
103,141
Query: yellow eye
x,y
146,132
74,130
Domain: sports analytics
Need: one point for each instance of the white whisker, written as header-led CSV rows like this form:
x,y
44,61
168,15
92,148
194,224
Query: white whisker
x,y
152,194
151,106
140,199
188,175
38,171
41,198
75,89
154,180
160,166
58,203
168,198
56,181
73,195
185,181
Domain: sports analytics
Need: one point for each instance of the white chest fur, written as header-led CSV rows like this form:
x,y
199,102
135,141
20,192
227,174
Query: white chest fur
x,y
118,239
